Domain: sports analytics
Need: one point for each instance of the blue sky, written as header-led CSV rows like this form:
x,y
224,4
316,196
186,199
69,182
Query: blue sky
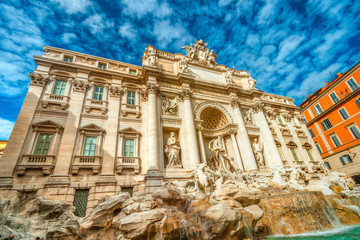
x,y
290,47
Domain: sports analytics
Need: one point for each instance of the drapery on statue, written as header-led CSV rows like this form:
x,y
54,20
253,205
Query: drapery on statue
x,y
221,160
172,151
258,152
183,65
248,117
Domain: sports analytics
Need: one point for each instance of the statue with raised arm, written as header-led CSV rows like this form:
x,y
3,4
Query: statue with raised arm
x,y
229,75
183,65
172,151
258,152
223,160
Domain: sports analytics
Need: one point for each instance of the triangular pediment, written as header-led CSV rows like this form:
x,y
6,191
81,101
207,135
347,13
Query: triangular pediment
x,y
129,130
307,145
292,144
92,127
47,124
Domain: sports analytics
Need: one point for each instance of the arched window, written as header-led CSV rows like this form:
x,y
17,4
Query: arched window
x,y
213,118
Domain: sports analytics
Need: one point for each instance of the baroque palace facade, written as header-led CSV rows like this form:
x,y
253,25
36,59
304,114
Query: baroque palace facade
x,y
91,127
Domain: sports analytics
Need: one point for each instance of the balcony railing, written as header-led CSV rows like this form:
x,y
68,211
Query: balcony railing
x,y
128,163
62,101
128,108
316,167
302,165
96,104
44,162
86,162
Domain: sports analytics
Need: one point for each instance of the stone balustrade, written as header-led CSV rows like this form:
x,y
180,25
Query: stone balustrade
x,y
128,163
129,108
97,105
86,162
44,162
62,101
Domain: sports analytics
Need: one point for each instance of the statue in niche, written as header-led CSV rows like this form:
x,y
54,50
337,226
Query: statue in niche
x,y
258,152
221,160
172,151
169,106
229,74
252,83
183,65
248,117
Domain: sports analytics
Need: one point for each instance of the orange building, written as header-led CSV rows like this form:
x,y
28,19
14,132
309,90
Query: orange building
x,y
332,116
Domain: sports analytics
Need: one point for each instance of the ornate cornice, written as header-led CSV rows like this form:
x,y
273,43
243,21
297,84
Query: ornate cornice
x,y
258,107
115,91
235,103
38,79
80,86
185,95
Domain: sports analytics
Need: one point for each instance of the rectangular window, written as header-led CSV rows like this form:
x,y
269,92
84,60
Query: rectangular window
x,y
293,152
90,146
131,98
318,148
304,118
280,120
352,84
98,93
327,164
358,102
318,109
311,133
129,148
132,72
127,189
80,202
354,131
43,144
334,97
343,113
310,155
335,140
326,124
346,159
68,59
60,87
102,65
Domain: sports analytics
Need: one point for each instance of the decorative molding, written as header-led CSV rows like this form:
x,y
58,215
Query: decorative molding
x,y
80,86
185,95
235,103
115,91
38,79
258,107
205,104
200,54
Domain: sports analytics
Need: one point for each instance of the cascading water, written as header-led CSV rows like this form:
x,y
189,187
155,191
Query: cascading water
x,y
297,213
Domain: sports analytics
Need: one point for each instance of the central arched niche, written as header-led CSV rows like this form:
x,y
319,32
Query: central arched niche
x,y
213,118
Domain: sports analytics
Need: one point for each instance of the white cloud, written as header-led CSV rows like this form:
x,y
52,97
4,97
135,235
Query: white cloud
x,y
74,6
127,30
97,23
223,3
6,127
166,33
68,37
140,8
289,45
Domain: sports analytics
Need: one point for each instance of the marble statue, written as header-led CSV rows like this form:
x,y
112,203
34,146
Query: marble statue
x,y
169,106
151,56
229,74
183,65
258,152
172,151
211,58
252,83
199,53
248,117
220,159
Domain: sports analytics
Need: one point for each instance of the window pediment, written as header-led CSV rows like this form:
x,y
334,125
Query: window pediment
x,y
307,145
129,131
291,144
92,128
48,124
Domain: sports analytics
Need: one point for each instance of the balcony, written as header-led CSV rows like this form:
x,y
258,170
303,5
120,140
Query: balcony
x,y
128,163
52,99
316,167
132,109
301,164
44,162
86,162
93,105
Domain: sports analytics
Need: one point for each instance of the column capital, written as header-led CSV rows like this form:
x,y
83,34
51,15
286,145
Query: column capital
x,y
116,91
185,95
80,86
38,79
151,88
235,103
258,107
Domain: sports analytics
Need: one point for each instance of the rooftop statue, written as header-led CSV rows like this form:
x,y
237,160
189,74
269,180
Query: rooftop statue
x,y
199,53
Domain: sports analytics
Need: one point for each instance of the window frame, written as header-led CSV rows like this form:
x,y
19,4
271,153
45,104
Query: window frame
x,y
317,145
312,134
357,101
341,115
280,119
326,126
131,100
353,125
334,142
335,96
97,94
316,110
349,80
348,157
62,87
44,144
128,139
76,196
92,144
68,57
327,164
102,65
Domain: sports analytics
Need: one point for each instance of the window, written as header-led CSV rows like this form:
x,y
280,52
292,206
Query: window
x,y
304,119
354,131
352,84
90,146
80,202
60,87
346,159
343,113
318,109
334,97
132,72
318,148
43,144
102,65
310,155
131,98
98,93
358,102
280,120
68,59
327,164
311,133
326,124
129,148
335,140
127,189
293,152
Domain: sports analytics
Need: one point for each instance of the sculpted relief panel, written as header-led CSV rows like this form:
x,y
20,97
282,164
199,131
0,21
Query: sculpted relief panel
x,y
169,106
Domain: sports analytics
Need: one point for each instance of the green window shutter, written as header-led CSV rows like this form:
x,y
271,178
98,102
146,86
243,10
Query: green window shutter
x,y
131,98
310,155
294,154
129,148
90,146
43,144
60,87
98,93
353,85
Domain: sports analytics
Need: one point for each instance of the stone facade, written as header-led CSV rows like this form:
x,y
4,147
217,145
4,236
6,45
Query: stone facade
x,y
152,124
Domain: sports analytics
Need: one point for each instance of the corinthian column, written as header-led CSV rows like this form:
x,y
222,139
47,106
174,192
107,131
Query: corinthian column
x,y
153,123
191,144
271,153
246,152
